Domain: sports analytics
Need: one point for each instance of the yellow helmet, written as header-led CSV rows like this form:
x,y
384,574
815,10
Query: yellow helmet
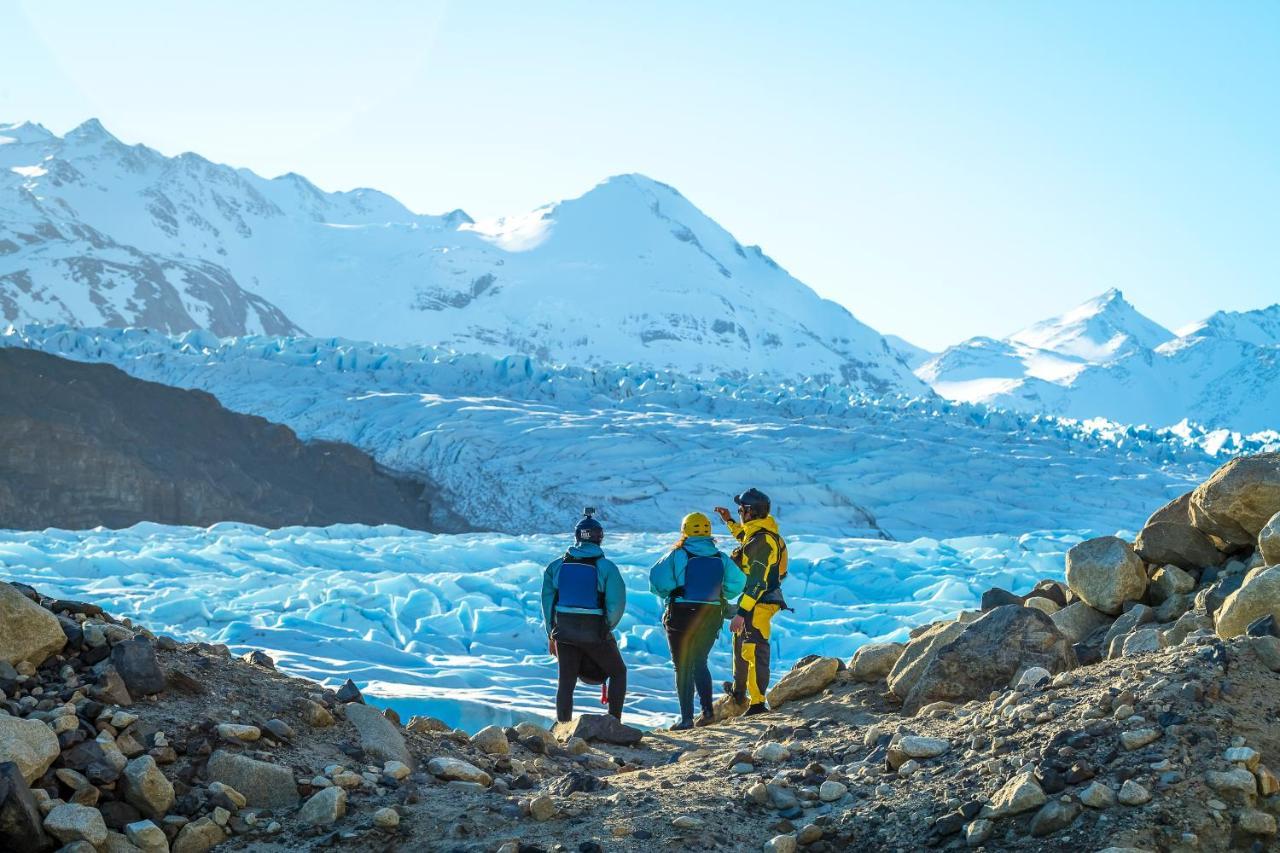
x,y
695,524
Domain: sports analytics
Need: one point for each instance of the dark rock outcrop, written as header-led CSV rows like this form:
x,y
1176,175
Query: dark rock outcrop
x,y
83,445
988,653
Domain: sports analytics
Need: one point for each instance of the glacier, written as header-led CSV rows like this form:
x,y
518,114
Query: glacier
x,y
450,625
520,447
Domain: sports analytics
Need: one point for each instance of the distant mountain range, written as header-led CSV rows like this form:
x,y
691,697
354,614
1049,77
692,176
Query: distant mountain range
x,y
94,232
1105,359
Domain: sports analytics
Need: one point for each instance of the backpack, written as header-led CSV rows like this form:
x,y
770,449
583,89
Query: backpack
x,y
703,579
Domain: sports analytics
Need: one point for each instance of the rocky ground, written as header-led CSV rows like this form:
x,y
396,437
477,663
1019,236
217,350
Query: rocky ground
x,y
1133,708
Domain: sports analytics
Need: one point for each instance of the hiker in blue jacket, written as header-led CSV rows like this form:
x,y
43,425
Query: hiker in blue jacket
x,y
696,580
583,599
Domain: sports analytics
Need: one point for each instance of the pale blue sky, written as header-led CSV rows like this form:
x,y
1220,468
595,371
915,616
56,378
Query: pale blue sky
x,y
943,169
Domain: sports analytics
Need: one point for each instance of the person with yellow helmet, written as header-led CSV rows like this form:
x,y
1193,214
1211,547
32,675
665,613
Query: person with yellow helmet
x,y
696,580
762,555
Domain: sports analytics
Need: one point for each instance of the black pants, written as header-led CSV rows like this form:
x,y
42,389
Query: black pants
x,y
691,632
607,657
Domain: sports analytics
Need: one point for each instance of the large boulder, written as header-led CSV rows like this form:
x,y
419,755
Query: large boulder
x,y
1238,500
598,727
1105,573
917,655
28,632
146,788
21,824
265,786
379,737
987,655
1078,620
71,822
1177,510
873,661
1169,543
30,744
1259,596
803,681
1269,541
136,662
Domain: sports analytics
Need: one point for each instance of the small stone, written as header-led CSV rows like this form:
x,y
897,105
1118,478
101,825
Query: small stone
x,y
1021,793
831,791
198,836
914,746
1256,822
542,808
758,793
147,837
1238,781
379,737
1243,755
1133,794
781,844
1139,738
279,729
263,785
220,789
1268,784
770,752
146,788
455,768
348,692
687,822
1032,676
1098,796
1053,816
491,740
978,831
397,770
239,733
324,807
135,661
316,715
70,822
426,724
28,743
386,818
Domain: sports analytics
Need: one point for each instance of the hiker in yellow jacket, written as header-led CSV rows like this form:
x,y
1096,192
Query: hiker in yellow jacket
x,y
762,556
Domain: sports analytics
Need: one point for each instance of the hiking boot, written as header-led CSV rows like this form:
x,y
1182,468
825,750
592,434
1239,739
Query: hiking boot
x,y
682,726
756,709
707,719
735,695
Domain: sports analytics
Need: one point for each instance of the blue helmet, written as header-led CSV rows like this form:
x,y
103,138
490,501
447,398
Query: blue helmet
x,y
588,529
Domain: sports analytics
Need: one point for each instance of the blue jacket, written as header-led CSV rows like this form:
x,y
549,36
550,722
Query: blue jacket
x,y
668,573
608,581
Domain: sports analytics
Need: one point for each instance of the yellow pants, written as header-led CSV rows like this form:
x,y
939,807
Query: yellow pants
x,y
751,654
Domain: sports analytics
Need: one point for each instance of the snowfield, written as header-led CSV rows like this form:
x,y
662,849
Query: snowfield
x,y
451,625
521,447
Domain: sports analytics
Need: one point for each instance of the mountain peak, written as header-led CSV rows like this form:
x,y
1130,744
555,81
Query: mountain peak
x,y
24,133
90,131
1098,330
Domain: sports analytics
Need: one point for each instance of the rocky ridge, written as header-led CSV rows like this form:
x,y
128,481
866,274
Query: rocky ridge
x,y
1107,713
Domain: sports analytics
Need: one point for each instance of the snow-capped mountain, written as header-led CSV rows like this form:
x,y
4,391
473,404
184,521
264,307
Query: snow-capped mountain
x,y
1101,330
1105,359
96,232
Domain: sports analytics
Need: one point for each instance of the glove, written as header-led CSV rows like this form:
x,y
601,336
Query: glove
x,y
737,624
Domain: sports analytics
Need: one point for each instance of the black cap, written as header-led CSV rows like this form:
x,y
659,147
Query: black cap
x,y
588,529
755,499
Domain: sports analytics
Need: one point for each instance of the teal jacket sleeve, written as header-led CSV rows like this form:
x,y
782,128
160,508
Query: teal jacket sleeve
x,y
549,593
663,577
615,593
735,580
